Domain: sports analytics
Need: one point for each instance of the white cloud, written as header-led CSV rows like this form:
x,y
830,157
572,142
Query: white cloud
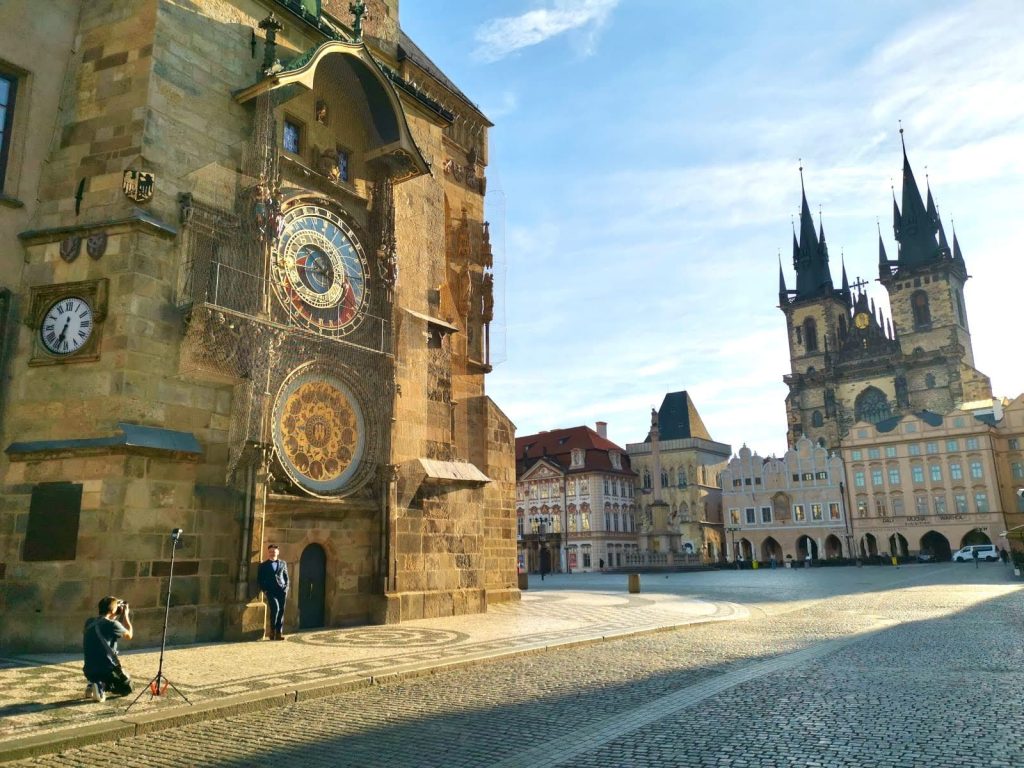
x,y
500,37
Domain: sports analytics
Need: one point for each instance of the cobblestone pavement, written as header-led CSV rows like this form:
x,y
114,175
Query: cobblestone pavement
x,y
918,666
922,666
44,694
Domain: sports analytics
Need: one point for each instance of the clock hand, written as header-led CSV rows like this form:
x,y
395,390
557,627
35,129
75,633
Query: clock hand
x,y
64,330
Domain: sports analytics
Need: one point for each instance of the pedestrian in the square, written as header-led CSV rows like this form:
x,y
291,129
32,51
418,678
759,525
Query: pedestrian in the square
x,y
273,581
773,561
102,666
974,554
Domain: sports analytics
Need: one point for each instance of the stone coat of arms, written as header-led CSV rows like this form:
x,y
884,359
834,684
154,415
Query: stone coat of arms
x,y
138,185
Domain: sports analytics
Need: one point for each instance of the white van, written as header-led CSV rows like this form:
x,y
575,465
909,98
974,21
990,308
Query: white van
x,y
985,552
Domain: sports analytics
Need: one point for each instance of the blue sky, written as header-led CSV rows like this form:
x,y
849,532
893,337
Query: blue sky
x,y
643,177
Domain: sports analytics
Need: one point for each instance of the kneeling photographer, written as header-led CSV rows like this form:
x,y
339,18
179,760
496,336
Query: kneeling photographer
x,y
99,644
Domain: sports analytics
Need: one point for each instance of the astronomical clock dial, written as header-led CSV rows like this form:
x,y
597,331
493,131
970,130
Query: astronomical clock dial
x,y
861,320
66,326
319,271
319,431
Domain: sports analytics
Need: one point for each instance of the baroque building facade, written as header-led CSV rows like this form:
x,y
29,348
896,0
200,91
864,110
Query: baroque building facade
x,y
250,292
575,501
780,509
849,363
678,465
928,482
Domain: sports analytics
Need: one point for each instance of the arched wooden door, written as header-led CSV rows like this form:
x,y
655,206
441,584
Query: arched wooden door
x,y
312,584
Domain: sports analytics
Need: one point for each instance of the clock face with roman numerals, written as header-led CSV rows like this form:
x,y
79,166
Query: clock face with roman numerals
x,y
319,270
66,326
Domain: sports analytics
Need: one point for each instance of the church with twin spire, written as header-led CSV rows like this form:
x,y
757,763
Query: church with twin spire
x,y
848,362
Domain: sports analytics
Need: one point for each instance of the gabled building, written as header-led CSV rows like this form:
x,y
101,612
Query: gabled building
x,y
788,508
575,501
678,465
848,363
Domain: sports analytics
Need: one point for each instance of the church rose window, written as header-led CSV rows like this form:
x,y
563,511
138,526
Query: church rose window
x,y
872,405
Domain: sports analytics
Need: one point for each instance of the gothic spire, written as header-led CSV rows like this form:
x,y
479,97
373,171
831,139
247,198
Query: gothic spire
x,y
917,228
783,291
883,257
957,256
810,255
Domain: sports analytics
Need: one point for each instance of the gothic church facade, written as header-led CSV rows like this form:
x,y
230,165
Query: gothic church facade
x,y
848,362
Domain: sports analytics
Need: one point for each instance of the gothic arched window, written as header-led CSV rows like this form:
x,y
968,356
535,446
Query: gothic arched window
x,y
872,406
682,478
664,479
810,335
816,420
647,479
922,314
959,307
929,380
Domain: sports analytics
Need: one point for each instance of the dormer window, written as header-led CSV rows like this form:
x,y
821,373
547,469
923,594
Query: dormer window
x,y
577,457
616,459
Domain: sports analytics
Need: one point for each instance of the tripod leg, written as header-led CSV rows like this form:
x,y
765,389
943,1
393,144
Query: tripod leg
x,y
147,688
177,691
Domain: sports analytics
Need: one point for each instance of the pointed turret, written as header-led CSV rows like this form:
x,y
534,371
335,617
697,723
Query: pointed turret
x,y
846,282
895,217
783,291
917,228
883,257
957,256
813,278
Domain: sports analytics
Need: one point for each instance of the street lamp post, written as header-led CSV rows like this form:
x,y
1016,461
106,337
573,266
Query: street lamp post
x,y
733,548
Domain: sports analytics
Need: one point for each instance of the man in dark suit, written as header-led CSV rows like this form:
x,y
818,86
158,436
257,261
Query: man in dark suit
x,y
273,580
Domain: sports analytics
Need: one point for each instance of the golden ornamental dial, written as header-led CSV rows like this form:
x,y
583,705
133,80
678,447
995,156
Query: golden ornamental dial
x,y
319,270
861,320
319,431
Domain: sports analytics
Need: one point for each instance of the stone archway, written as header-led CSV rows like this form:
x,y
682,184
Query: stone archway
x,y
937,545
833,547
975,536
868,545
806,545
898,545
770,547
746,549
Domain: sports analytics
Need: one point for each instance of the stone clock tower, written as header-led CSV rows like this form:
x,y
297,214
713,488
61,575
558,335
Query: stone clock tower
x,y
848,362
256,303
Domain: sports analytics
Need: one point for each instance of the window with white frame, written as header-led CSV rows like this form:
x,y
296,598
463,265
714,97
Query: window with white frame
x,y
940,504
960,501
936,473
894,476
798,513
981,502
976,471
972,443
8,90
766,514
896,502
816,512
751,515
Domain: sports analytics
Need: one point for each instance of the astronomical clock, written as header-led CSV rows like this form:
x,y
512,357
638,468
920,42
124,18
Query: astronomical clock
x,y
323,434
318,270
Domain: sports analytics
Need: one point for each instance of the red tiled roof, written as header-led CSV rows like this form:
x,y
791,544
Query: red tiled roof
x,y
558,444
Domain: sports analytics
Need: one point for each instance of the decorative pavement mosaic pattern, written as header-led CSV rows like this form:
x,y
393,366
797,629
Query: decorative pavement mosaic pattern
x,y
40,694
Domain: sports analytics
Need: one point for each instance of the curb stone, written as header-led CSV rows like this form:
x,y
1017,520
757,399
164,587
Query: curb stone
x,y
129,726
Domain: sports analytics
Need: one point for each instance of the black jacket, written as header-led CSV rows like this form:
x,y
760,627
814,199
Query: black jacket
x,y
270,581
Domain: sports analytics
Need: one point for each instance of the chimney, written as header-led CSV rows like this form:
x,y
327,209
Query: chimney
x,y
602,429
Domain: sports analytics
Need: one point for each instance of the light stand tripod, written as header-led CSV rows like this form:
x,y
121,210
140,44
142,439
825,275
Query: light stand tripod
x,y
158,685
